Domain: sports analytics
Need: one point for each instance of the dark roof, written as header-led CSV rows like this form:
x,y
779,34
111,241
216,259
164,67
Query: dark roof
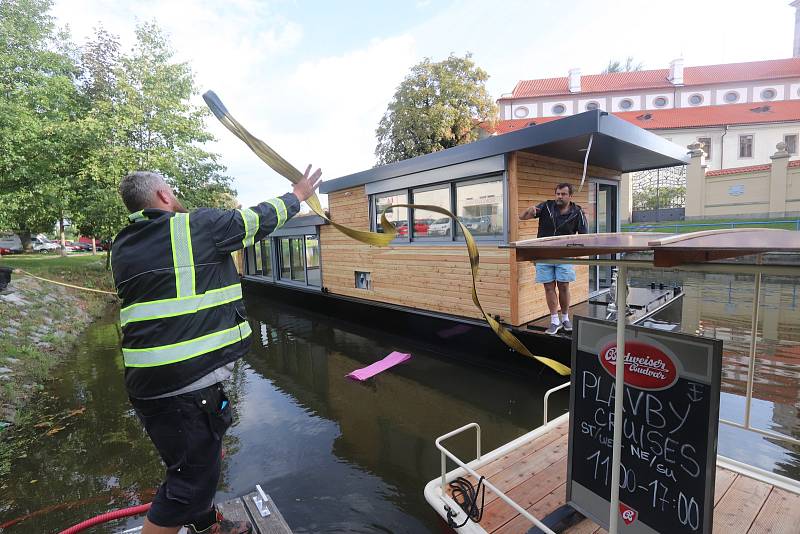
x,y
617,145
310,219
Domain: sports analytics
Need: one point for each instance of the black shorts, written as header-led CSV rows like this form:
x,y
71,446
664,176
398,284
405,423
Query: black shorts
x,y
187,430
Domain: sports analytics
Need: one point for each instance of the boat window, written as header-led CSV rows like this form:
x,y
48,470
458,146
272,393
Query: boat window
x,y
266,259
258,254
286,264
479,206
297,259
312,261
429,224
397,216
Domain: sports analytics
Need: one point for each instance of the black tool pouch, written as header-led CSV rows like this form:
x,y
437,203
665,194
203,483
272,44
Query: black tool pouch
x,y
213,401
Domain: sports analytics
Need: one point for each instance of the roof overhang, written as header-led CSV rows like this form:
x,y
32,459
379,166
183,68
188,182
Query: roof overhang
x,y
616,145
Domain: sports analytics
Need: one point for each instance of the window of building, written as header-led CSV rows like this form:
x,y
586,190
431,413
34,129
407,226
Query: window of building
x,y
705,144
791,143
696,99
660,101
396,216
559,109
478,203
286,263
731,97
521,112
479,206
312,261
429,224
591,106
626,103
746,146
768,94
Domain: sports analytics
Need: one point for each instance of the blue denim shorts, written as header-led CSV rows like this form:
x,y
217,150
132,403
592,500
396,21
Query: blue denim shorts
x,y
548,272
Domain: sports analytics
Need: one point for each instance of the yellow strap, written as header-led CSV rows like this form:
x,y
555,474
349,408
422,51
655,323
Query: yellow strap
x,y
26,273
287,170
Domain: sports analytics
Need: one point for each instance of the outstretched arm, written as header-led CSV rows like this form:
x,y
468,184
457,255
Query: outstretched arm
x,y
239,228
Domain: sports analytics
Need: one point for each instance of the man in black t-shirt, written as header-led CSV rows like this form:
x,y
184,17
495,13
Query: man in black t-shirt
x,y
557,217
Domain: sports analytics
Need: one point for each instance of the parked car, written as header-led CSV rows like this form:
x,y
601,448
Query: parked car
x,y
11,242
419,228
71,246
479,225
439,227
44,245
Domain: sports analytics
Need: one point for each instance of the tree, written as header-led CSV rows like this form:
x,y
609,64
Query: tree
x,y
617,66
141,119
437,106
39,107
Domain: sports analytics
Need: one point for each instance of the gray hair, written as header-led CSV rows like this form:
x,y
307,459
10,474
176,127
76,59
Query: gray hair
x,y
138,189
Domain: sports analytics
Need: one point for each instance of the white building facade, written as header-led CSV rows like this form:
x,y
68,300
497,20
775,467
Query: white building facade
x,y
738,111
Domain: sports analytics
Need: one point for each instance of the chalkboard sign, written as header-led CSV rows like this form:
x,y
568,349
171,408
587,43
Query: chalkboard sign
x,y
669,444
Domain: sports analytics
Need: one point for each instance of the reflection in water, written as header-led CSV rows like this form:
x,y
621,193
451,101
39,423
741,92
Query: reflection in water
x,y
335,454
720,306
344,456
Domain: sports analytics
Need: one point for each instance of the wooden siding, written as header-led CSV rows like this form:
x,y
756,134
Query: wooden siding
x,y
534,179
437,277
428,277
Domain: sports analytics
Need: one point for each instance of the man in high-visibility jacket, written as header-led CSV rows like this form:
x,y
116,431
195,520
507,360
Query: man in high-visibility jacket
x,y
184,324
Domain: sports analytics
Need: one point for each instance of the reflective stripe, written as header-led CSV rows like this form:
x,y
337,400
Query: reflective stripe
x,y
158,309
182,259
280,211
184,350
137,216
251,224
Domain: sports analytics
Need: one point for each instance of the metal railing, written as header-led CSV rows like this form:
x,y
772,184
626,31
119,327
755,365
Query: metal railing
x,y
701,225
547,398
445,454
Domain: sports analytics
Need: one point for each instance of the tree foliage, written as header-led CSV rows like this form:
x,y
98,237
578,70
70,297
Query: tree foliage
x,y
74,120
615,65
437,106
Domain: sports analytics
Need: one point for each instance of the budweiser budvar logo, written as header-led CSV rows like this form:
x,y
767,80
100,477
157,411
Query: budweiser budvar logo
x,y
646,366
628,514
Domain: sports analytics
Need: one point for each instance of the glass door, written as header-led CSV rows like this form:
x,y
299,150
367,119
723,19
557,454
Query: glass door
x,y
602,216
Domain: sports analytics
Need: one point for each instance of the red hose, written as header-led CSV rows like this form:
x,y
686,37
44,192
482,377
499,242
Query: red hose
x,y
108,516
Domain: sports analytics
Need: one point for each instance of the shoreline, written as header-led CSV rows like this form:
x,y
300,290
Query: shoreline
x,y
40,323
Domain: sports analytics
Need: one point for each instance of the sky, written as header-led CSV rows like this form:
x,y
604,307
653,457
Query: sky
x,y
312,78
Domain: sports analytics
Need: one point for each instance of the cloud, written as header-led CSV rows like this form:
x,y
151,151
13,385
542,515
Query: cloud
x,y
324,112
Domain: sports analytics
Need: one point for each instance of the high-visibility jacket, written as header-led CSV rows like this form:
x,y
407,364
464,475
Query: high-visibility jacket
x,y
182,314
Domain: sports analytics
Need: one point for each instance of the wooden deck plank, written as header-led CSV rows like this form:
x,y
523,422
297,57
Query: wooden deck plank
x,y
529,468
779,515
527,449
723,481
526,495
234,510
540,509
274,523
587,526
737,510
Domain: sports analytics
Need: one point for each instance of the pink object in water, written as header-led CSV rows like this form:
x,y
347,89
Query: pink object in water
x,y
371,370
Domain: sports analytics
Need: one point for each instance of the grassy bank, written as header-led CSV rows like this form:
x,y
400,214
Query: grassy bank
x,y
39,321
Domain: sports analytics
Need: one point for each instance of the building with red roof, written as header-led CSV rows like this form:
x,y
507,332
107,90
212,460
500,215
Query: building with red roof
x,y
739,112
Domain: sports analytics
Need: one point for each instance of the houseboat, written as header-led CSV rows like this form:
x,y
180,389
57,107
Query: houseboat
x,y
421,283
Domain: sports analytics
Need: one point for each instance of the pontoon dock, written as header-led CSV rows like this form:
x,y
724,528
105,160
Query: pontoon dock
x,y
526,479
